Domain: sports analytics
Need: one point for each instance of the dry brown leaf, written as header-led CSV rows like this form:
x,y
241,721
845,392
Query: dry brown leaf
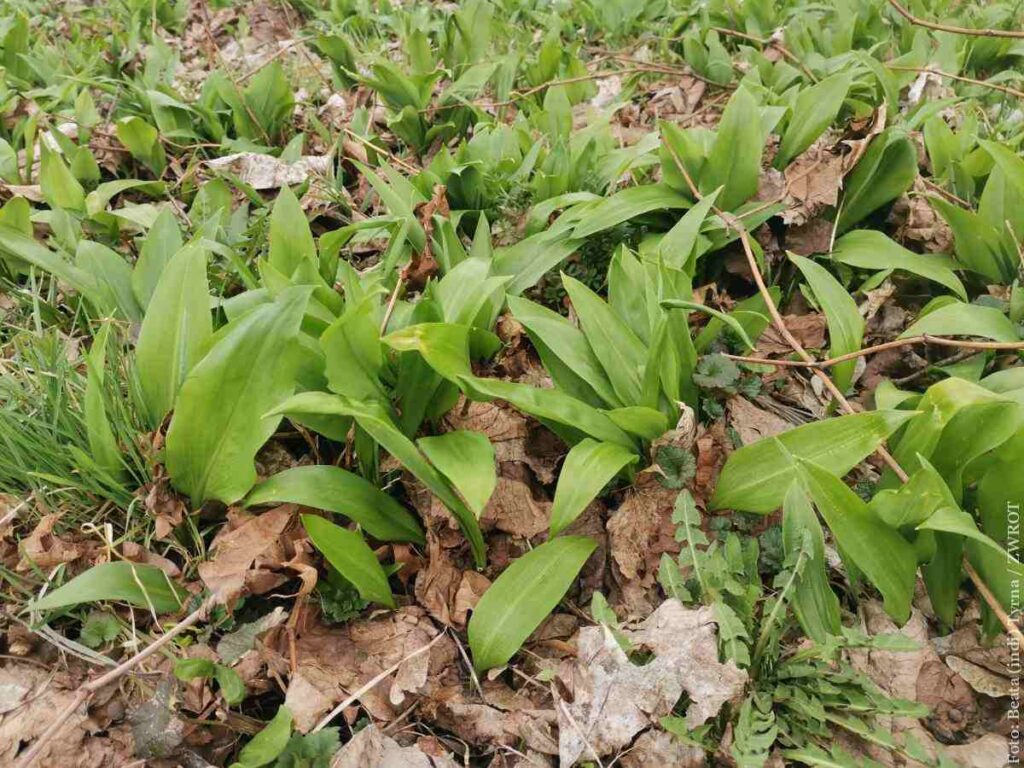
x,y
165,506
502,718
614,699
335,661
136,553
657,749
31,696
815,236
752,423
979,678
237,547
44,549
516,507
438,582
808,329
372,748
268,172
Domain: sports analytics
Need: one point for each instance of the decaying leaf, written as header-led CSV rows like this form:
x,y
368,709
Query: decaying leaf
x,y
372,748
333,662
268,172
614,699
237,548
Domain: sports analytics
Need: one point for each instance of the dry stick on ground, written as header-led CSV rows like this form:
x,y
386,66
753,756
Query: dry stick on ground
x,y
982,32
940,341
86,690
771,42
959,78
780,325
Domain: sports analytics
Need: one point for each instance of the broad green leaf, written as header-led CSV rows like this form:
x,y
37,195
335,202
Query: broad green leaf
x,y
960,319
999,493
342,492
815,604
870,249
102,443
351,557
174,332
588,468
353,355
28,249
676,247
885,172
728,320
972,432
378,424
220,418
562,343
878,551
976,242
550,406
291,242
845,324
162,242
143,141
627,204
1009,161
60,189
266,745
112,278
815,109
144,586
467,459
940,404
270,97
522,597
621,353
734,163
757,476
232,688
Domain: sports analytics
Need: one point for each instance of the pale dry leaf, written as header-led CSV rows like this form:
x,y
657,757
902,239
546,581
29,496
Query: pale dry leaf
x,y
657,749
979,678
268,172
752,423
235,550
40,694
372,748
614,699
44,549
336,661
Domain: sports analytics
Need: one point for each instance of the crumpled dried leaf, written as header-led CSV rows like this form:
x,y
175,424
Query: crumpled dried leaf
x,y
918,676
657,749
808,329
504,717
238,546
372,748
157,731
45,549
752,423
335,661
33,695
516,507
268,172
979,678
166,506
614,699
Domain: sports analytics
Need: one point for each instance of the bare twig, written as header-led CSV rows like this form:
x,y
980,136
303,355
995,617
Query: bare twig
x,y
981,32
770,42
780,325
87,690
939,341
959,78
